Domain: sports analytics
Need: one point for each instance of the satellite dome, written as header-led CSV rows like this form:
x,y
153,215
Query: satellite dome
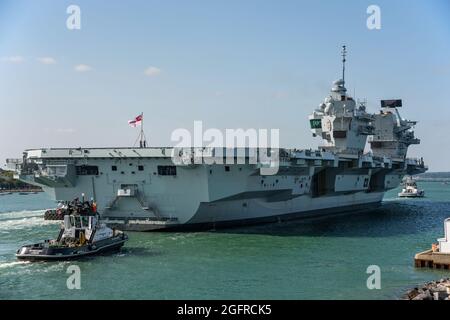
x,y
338,86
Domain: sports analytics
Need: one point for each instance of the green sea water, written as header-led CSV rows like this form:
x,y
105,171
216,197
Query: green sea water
x,y
323,258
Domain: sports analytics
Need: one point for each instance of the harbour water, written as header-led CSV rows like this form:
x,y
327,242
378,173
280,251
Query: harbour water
x,y
323,258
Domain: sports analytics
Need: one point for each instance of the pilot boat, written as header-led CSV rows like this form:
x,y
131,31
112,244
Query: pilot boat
x,y
80,236
410,190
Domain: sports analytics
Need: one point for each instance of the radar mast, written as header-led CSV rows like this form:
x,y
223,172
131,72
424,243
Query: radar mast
x,y
344,56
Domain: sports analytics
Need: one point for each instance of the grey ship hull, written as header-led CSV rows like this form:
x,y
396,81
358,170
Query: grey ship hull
x,y
135,193
240,222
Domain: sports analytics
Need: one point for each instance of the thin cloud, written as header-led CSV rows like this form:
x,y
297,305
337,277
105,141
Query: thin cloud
x,y
65,130
13,59
442,69
152,71
280,94
46,60
82,68
60,130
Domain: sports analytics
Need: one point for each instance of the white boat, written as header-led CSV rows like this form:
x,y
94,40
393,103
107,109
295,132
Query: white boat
x,y
410,190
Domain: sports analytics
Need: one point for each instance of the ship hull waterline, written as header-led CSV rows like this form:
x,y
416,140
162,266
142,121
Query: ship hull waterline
x,y
208,226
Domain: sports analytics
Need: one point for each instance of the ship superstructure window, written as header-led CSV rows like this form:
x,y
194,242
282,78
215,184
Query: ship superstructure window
x,y
141,168
339,134
87,170
114,168
227,168
167,170
366,182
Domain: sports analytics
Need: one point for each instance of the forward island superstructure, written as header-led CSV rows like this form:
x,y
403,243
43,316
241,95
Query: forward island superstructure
x,y
143,189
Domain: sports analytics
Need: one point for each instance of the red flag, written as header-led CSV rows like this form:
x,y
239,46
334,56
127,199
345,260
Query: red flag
x,y
136,122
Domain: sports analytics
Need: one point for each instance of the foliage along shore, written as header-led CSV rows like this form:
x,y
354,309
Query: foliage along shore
x,y
9,184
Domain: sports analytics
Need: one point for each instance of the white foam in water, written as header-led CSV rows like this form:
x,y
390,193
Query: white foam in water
x,y
12,264
21,214
23,219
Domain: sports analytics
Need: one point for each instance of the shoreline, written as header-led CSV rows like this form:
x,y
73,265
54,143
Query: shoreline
x,y
31,190
433,290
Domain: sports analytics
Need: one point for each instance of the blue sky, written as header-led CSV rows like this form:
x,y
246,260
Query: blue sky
x,y
231,64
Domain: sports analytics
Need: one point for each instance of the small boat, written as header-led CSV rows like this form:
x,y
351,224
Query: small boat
x,y
24,193
80,236
410,190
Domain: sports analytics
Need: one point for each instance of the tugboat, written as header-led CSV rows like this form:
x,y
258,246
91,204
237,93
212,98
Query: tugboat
x,y
80,236
410,190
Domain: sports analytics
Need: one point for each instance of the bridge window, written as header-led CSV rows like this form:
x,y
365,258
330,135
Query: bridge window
x,y
87,170
167,170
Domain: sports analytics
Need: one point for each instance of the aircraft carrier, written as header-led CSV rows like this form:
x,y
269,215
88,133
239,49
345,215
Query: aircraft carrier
x,y
363,155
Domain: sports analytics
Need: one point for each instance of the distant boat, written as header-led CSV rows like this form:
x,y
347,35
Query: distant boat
x,y
24,193
410,190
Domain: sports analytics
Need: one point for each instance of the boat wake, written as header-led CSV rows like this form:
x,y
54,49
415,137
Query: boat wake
x,y
20,214
10,264
23,219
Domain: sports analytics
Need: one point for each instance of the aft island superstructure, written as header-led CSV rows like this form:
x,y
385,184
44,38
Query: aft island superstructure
x,y
144,189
